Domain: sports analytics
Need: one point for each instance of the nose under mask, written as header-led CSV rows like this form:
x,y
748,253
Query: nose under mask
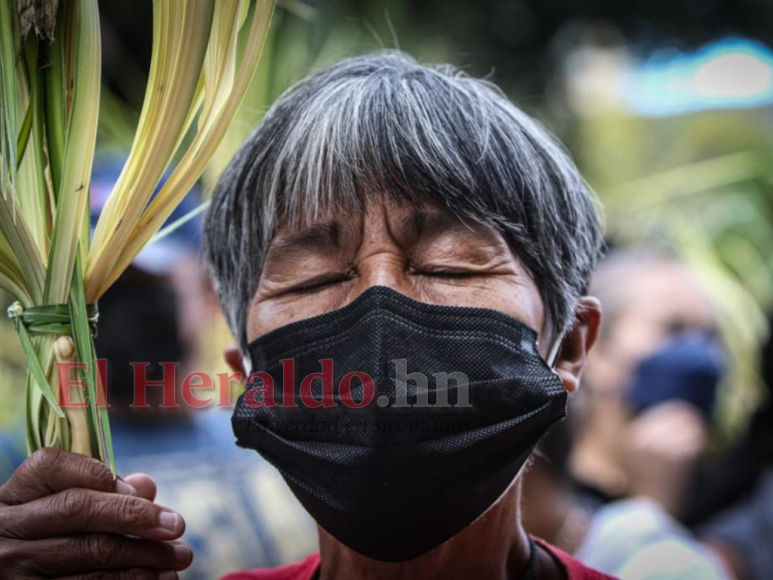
x,y
397,423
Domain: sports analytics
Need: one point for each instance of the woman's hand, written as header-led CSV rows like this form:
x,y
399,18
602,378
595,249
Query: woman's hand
x,y
62,515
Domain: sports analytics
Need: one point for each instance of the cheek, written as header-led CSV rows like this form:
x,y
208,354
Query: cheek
x,y
270,314
515,297
520,300
265,317
631,338
639,336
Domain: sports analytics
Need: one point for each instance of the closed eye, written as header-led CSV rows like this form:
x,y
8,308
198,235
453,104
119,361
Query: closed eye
x,y
316,285
446,274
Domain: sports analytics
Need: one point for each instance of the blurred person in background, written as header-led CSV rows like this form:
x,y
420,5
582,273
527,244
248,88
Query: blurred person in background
x,y
642,424
609,480
237,510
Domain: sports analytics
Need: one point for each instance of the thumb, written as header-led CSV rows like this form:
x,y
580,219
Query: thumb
x,y
144,484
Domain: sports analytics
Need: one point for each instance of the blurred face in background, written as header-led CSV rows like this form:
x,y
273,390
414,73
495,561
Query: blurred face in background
x,y
651,305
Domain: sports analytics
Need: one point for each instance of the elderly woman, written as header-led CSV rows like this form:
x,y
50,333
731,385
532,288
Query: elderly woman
x,y
402,255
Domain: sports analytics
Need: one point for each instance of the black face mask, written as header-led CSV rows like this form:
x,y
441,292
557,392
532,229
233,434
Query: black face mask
x,y
395,463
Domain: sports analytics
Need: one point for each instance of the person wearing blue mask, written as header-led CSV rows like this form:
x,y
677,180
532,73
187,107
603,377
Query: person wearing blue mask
x,y
659,358
635,437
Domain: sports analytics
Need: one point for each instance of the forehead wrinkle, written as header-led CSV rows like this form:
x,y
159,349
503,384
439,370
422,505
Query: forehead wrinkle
x,y
438,224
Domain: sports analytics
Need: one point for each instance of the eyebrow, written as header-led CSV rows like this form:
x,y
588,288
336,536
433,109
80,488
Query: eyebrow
x,y
320,236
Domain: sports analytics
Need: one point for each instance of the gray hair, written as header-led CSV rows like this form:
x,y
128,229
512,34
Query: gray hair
x,y
384,123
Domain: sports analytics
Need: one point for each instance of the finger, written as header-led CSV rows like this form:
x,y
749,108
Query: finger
x,y
144,485
134,574
85,553
48,471
84,510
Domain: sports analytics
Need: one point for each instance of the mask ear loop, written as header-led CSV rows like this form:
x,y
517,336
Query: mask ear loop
x,y
555,351
247,364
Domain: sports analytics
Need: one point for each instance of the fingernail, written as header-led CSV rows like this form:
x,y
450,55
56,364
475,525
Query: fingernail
x,y
182,552
170,521
124,488
168,576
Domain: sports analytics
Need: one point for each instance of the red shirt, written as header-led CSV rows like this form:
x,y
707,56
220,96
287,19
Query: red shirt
x,y
305,570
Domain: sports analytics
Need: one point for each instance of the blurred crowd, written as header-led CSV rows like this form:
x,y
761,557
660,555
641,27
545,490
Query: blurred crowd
x,y
629,483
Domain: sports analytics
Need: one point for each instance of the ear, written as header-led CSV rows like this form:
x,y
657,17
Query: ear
x,y
233,356
578,342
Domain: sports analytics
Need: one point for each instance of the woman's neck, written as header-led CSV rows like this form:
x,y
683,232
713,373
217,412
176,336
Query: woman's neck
x,y
494,546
